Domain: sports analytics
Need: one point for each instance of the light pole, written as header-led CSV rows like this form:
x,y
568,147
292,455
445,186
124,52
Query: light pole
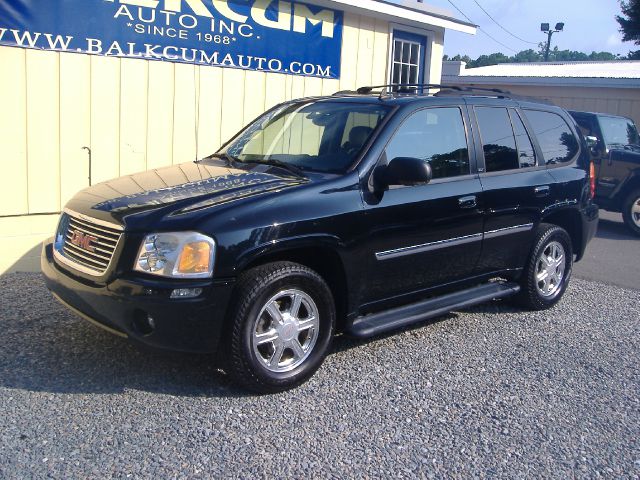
x,y
545,27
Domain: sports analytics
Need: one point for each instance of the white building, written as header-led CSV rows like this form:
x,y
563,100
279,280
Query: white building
x,y
607,87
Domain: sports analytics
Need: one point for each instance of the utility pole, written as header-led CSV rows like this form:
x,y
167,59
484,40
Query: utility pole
x,y
545,27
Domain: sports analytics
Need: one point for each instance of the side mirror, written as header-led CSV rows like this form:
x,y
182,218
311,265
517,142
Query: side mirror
x,y
405,171
595,146
592,142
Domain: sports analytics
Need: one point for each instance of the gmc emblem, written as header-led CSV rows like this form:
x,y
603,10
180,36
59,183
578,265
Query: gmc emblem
x,y
83,240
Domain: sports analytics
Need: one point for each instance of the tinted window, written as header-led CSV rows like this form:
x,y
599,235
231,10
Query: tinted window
x,y
498,142
618,131
436,136
557,142
526,153
586,124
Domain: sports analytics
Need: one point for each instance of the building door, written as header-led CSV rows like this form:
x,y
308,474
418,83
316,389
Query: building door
x,y
409,52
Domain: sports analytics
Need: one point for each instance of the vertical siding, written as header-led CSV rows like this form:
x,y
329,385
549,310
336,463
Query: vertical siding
x,y
75,123
134,82
105,117
13,133
160,114
43,131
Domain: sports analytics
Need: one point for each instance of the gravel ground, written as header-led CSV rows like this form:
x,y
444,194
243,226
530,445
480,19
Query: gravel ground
x,y
488,392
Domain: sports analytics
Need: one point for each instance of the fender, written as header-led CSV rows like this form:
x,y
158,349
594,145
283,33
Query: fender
x,y
282,245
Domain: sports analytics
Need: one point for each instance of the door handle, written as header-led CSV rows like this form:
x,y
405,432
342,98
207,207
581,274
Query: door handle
x,y
543,191
468,202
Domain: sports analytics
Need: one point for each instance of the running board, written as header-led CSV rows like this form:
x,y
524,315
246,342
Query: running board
x,y
382,322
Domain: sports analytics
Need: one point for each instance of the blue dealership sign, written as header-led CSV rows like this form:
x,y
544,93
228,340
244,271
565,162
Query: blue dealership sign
x,y
265,35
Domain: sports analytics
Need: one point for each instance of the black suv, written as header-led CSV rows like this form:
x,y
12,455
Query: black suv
x,y
359,213
615,149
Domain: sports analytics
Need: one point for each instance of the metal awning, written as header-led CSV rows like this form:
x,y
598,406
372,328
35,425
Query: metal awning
x,y
409,12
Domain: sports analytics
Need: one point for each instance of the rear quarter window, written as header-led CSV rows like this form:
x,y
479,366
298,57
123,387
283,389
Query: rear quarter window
x,y
557,141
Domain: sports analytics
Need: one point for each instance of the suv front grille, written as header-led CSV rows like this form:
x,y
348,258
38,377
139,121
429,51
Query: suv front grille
x,y
86,244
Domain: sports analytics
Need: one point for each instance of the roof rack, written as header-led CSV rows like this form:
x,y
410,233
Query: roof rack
x,y
402,88
397,89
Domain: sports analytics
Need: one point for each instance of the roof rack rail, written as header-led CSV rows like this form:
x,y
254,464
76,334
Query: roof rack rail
x,y
410,88
496,91
393,89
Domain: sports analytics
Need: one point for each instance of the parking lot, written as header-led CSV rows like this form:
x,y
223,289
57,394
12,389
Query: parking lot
x,y
489,391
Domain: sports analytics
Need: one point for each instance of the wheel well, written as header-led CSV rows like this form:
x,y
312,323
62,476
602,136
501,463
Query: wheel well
x,y
570,221
631,185
326,262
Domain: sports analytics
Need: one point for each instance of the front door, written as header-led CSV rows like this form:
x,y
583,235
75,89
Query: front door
x,y
430,235
618,134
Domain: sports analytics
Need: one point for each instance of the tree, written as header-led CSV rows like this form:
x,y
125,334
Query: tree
x,y
530,56
527,56
630,24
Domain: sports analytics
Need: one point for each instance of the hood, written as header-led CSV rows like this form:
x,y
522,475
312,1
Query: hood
x,y
179,189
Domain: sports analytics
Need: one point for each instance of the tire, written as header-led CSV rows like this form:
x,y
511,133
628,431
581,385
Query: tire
x,y
631,211
540,291
281,326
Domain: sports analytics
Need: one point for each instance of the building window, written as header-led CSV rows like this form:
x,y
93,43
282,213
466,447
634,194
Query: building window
x,y
408,58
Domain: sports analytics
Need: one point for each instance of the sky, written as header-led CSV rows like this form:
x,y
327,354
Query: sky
x,y
589,25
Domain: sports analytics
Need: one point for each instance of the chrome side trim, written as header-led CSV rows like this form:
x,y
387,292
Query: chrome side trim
x,y
452,242
508,231
427,247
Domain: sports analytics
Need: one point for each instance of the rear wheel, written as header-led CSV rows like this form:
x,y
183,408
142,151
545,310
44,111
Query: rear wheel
x,y
631,211
547,273
281,327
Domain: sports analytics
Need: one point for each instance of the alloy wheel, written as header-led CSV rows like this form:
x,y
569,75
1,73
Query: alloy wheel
x,y
550,269
635,212
285,331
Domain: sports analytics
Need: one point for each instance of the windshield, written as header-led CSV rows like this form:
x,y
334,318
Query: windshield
x,y
319,136
618,131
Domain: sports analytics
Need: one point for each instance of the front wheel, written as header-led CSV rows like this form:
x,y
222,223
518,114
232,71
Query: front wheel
x,y
547,273
281,327
631,211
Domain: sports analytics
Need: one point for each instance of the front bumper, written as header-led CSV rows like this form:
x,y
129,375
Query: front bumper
x,y
125,304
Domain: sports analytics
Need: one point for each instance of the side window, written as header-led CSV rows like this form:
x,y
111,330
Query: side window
x,y
498,141
556,140
526,153
437,136
618,131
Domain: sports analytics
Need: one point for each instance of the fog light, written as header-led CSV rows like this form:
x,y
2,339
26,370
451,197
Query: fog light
x,y
186,293
143,323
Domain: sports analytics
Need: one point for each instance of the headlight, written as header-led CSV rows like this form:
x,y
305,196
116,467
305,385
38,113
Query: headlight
x,y
177,255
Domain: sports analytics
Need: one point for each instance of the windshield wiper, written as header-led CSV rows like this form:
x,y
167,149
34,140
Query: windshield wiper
x,y
223,156
278,163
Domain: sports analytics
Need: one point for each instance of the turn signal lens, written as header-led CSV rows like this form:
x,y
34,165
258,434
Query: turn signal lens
x,y
592,180
195,258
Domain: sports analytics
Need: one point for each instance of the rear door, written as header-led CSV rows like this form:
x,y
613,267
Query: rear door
x,y
516,185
